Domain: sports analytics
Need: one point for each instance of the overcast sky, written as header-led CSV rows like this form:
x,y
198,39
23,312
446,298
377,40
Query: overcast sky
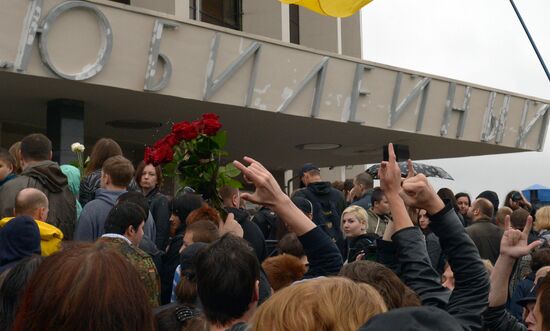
x,y
478,41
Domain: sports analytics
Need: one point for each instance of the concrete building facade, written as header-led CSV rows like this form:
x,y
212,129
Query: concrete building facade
x,y
81,70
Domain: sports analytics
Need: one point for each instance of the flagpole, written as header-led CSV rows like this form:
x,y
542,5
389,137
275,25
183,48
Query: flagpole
x,y
531,40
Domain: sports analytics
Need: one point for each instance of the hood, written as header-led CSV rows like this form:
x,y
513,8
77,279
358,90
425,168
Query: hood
x,y
19,238
320,188
73,177
108,196
48,174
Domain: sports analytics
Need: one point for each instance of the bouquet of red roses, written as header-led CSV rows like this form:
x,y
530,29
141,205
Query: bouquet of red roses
x,y
192,152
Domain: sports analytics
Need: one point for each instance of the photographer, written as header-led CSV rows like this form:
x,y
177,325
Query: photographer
x,y
515,200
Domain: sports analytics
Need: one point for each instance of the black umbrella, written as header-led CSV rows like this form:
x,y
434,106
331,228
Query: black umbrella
x,y
419,168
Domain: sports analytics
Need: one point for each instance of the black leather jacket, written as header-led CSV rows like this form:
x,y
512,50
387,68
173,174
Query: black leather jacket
x,y
469,299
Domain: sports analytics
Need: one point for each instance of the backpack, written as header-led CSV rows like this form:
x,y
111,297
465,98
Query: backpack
x,y
268,222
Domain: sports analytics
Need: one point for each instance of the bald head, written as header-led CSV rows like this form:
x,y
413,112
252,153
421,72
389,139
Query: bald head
x,y
481,209
31,202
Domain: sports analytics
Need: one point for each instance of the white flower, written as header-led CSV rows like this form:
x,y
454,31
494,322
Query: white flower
x,y
77,147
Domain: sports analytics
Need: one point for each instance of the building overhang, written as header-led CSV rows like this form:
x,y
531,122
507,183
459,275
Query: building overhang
x,y
128,64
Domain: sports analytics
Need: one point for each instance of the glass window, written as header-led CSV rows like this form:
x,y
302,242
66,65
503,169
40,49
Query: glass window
x,y
294,14
226,13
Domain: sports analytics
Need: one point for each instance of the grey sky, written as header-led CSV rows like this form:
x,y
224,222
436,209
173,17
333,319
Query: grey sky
x,y
474,41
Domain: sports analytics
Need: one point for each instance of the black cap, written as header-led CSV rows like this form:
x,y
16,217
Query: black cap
x,y
531,296
307,168
303,204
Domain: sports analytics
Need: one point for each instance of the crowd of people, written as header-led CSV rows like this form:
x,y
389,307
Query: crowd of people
x,y
108,251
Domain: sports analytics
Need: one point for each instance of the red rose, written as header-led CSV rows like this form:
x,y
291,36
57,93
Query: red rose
x,y
170,140
198,125
185,130
211,126
163,154
148,155
210,116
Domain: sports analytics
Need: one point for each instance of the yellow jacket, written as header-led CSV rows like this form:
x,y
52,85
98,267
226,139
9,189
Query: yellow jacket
x,y
50,236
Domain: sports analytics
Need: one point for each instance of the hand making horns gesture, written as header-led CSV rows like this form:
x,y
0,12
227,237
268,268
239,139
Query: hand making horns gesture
x,y
514,242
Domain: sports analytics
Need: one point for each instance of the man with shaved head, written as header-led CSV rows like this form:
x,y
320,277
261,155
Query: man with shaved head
x,y
31,202
485,235
34,203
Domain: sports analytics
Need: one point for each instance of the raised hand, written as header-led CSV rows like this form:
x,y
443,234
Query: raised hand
x,y
514,242
390,181
418,193
410,169
390,174
268,192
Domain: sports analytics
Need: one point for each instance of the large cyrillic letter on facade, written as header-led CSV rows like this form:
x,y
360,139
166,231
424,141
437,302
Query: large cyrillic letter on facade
x,y
319,71
493,127
396,111
524,130
30,29
213,85
449,108
155,55
357,90
104,50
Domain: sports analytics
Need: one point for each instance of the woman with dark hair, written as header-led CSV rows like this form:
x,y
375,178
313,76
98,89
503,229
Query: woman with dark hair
x,y
464,202
103,149
432,242
447,195
13,286
149,179
515,200
181,207
87,287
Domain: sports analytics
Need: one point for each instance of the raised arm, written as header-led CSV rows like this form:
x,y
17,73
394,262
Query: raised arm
x,y
512,246
323,255
469,298
416,269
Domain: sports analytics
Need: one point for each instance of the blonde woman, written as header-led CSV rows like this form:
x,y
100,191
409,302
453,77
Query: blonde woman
x,y
354,224
542,223
317,305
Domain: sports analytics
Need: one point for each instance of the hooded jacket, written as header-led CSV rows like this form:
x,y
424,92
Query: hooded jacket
x,y
91,224
328,205
73,179
19,239
47,177
50,236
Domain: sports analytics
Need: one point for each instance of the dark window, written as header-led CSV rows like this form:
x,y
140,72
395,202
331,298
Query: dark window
x,y
193,9
127,2
294,14
226,13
